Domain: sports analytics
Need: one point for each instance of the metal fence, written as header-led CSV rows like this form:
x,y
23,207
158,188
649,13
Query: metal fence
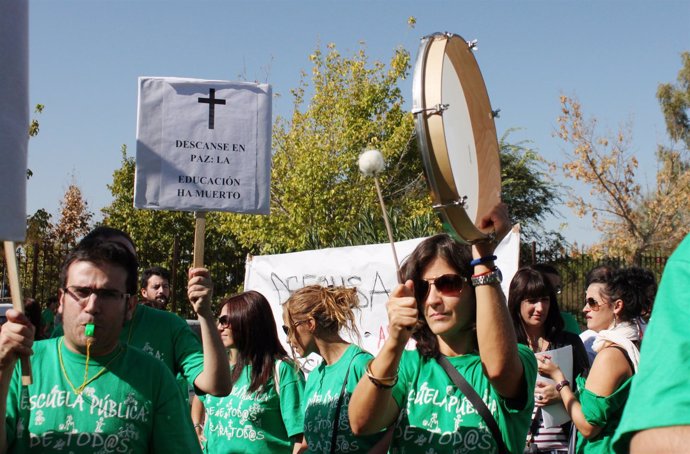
x,y
573,266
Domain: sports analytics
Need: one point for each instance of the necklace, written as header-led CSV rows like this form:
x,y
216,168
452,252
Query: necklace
x,y
87,380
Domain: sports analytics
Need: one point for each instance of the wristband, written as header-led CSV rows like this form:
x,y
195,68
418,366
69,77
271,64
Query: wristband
x,y
479,261
562,385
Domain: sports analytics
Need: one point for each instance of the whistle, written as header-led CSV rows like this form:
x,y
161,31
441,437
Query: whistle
x,y
90,328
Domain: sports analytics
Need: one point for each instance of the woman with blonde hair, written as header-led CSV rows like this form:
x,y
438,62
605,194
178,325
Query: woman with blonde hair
x,y
314,317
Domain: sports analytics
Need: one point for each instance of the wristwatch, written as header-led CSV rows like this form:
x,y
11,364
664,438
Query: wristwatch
x,y
491,277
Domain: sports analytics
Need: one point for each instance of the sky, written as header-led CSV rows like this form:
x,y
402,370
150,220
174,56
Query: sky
x,y
86,56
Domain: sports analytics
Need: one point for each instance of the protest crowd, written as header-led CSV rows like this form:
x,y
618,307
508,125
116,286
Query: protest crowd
x,y
463,369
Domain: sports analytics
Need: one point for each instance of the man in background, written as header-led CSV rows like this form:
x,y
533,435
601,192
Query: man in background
x,y
155,287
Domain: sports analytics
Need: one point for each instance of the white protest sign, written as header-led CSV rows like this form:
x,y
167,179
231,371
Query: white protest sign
x,y
203,145
370,269
14,117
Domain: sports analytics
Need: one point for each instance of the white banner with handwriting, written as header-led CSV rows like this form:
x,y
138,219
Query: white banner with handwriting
x,y
370,269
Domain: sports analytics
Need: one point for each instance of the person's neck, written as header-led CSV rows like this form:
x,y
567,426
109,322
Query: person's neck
x,y
533,335
458,344
331,349
232,356
93,350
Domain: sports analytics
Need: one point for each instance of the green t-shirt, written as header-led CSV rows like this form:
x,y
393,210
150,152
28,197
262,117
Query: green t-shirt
x,y
262,421
322,392
660,396
48,318
168,338
604,412
437,418
134,407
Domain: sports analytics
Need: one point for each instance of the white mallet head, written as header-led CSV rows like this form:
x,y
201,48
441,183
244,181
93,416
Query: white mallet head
x,y
371,162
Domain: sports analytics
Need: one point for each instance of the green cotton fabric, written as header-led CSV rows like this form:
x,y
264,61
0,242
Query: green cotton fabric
x,y
134,407
601,411
660,396
322,392
437,418
261,421
167,337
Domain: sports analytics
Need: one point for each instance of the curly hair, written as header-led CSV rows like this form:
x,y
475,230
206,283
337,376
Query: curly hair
x,y
332,308
636,287
458,257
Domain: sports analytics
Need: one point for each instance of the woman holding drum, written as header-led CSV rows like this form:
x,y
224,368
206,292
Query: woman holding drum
x,y
451,304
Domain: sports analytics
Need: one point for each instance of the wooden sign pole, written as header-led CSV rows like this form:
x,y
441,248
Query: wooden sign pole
x,y
199,235
17,300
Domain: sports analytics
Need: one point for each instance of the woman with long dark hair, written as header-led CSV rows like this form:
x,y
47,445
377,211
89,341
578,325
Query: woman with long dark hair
x,y
538,324
614,303
263,412
452,305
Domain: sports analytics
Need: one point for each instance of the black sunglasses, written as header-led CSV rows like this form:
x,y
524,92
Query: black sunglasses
x,y
447,284
593,304
224,321
286,329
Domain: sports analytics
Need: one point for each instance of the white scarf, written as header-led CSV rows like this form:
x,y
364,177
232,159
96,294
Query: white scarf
x,y
623,335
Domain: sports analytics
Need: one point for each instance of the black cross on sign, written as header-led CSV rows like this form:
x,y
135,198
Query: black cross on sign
x,y
211,101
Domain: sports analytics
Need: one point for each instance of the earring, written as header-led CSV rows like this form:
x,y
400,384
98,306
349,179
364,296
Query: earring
x,y
615,320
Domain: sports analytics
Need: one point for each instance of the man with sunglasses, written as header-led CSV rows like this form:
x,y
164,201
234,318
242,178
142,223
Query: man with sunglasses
x,y
90,392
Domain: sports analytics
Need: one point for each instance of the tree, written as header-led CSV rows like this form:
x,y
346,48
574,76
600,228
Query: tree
x,y
155,234
529,191
633,220
75,218
317,191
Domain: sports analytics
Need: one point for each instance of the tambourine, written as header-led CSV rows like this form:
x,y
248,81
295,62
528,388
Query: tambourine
x,y
456,134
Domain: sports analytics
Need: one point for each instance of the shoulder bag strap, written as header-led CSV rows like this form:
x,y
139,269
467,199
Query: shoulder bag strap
x,y
476,401
336,423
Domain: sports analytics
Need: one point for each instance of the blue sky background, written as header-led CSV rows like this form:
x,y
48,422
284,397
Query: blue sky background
x,y
86,57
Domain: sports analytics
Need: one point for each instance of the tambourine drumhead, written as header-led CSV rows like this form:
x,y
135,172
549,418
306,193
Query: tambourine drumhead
x,y
456,134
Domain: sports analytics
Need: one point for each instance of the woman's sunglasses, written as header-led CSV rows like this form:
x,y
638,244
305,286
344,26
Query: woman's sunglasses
x,y
286,329
224,321
593,304
447,284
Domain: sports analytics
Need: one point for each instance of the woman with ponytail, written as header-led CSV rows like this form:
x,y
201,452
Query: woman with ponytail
x,y
314,316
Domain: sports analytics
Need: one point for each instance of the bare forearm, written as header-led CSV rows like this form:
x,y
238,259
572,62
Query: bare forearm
x,y
373,408
574,409
215,378
497,341
669,440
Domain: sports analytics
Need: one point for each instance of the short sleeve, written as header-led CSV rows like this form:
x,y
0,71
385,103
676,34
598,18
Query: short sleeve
x,y
291,398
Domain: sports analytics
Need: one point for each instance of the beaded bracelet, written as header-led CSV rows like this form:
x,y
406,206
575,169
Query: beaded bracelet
x,y
479,261
379,381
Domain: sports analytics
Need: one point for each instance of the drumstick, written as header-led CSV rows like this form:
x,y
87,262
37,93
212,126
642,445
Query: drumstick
x,y
17,301
371,164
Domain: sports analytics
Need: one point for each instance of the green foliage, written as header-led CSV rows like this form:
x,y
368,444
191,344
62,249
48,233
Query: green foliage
x,y
527,188
675,103
317,191
155,234
38,227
